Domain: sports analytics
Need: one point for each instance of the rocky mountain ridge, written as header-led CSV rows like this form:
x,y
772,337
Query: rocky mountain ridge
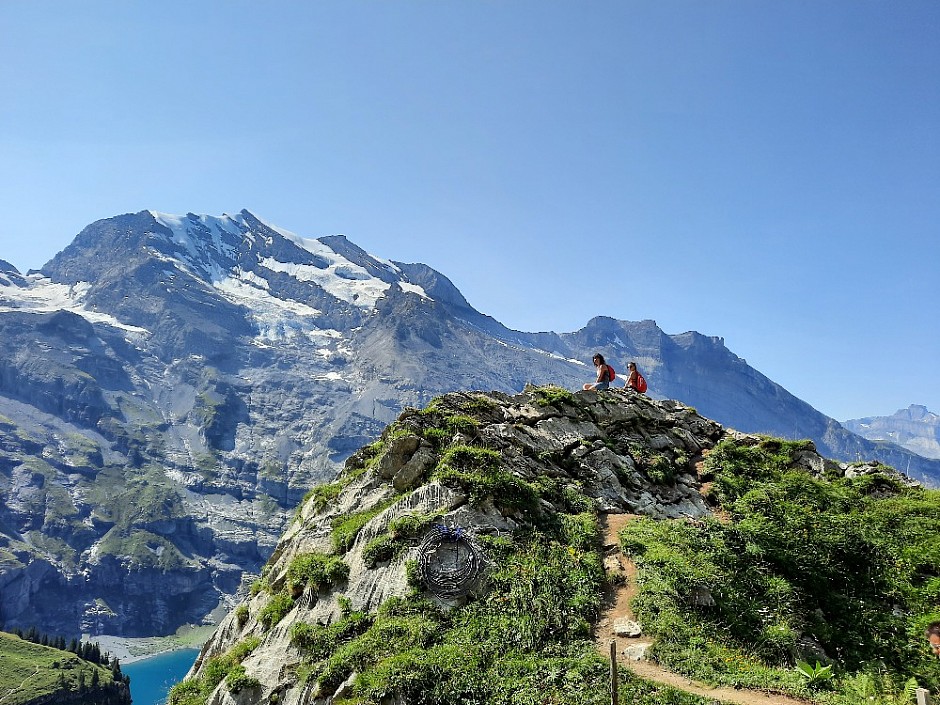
x,y
500,470
171,386
915,428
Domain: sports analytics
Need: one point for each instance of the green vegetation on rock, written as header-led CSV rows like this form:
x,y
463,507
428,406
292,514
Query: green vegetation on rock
x,y
479,472
551,395
196,691
802,562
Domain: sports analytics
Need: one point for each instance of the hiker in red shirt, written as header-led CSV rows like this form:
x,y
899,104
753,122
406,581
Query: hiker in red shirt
x,y
635,381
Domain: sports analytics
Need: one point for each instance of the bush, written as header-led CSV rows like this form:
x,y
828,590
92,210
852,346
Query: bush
x,y
478,472
276,609
317,570
806,564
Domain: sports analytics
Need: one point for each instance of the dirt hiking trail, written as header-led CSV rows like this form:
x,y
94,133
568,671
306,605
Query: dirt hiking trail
x,y
630,648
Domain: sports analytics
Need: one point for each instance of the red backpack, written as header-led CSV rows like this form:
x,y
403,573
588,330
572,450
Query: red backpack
x,y
640,383
611,372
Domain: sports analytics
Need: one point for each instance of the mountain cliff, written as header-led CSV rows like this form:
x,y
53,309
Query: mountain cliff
x,y
171,386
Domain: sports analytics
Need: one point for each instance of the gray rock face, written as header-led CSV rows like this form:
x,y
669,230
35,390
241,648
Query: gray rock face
x,y
171,387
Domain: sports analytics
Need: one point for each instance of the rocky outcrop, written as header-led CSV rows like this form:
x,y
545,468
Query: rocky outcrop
x,y
625,452
488,467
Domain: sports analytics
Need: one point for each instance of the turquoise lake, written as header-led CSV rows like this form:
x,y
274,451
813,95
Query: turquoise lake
x,y
152,678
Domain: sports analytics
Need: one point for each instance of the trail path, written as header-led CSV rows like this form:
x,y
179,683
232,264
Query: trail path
x,y
629,649
20,687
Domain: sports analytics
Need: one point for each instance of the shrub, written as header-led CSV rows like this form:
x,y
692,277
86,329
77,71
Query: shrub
x,y
317,570
276,609
477,471
551,395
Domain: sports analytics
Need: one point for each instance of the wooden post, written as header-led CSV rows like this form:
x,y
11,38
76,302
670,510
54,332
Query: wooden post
x,y
614,685
923,697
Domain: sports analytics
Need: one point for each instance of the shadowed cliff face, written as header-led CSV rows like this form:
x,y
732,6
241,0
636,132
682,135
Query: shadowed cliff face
x,y
523,478
171,386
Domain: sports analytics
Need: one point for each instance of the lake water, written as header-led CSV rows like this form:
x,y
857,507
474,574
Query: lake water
x,y
152,678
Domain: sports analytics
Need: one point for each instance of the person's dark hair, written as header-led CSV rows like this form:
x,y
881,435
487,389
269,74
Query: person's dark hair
x,y
598,356
933,629
631,365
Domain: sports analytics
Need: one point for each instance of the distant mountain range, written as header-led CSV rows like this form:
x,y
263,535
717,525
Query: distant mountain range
x,y
914,428
171,386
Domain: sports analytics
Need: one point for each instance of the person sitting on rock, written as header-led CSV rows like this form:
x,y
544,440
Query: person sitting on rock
x,y
633,381
603,374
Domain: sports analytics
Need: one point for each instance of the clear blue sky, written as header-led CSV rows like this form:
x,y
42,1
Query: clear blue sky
x,y
764,171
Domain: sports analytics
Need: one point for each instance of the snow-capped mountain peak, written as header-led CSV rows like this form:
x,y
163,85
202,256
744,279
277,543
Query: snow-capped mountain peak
x,y
235,252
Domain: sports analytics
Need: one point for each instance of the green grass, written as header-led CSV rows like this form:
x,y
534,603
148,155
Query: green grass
x,y
276,609
144,549
315,569
480,473
29,671
346,528
551,395
386,546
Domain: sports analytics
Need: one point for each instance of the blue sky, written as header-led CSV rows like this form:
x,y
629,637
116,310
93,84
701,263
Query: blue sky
x,y
768,172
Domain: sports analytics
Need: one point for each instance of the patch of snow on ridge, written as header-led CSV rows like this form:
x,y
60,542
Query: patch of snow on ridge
x,y
45,296
276,319
218,226
414,289
346,281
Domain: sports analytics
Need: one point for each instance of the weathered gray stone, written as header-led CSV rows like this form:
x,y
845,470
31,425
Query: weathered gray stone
x,y
636,652
561,433
627,628
420,463
398,453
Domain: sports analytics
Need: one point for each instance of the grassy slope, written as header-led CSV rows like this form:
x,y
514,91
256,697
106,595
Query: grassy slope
x,y
28,670
849,568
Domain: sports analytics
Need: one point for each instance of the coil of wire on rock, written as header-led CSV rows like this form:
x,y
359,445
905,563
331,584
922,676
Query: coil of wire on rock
x,y
445,578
